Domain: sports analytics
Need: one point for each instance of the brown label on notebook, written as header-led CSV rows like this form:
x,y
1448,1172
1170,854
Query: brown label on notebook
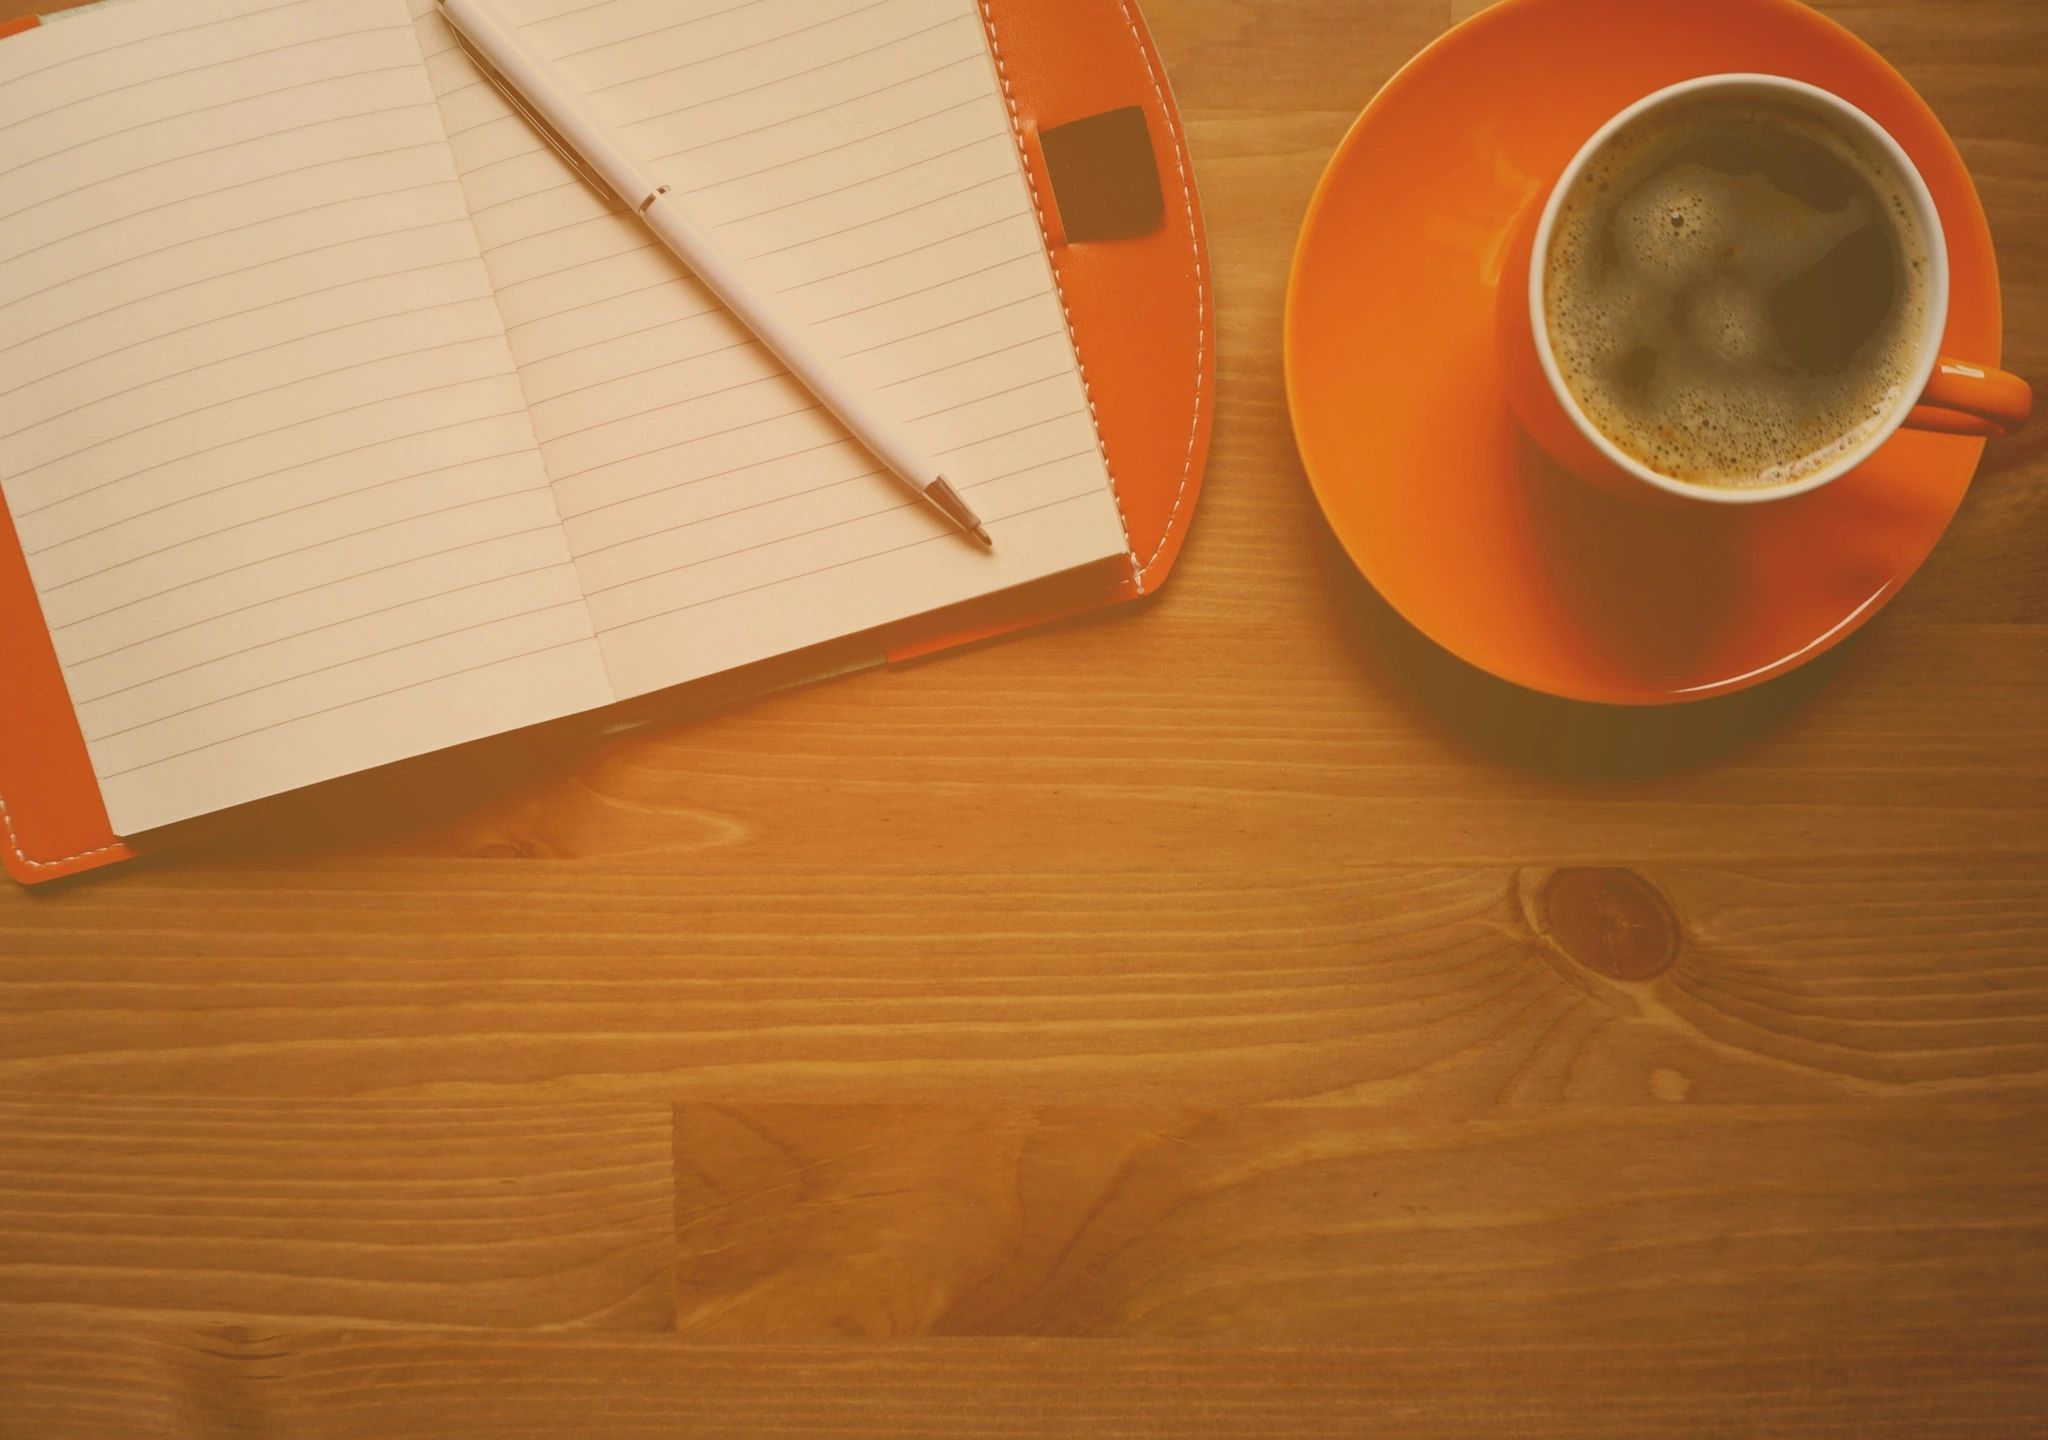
x,y
1103,177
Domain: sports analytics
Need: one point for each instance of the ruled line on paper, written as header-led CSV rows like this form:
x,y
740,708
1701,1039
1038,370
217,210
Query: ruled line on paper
x,y
926,204
984,398
823,173
924,289
322,543
271,475
783,538
579,223
361,659
666,282
197,154
134,300
946,537
639,251
539,17
374,360
203,109
272,482
811,409
853,479
967,445
511,119
809,155
1009,218
349,704
517,157
720,55
217,319
1040,337
96,487
921,160
838,442
826,109
834,484
268,600
666,323
670,406
655,368
83,701
140,556
807,70
236,230
523,156
100,54
947,325
571,516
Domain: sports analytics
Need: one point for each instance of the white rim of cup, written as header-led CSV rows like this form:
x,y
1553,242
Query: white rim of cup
x,y
1934,323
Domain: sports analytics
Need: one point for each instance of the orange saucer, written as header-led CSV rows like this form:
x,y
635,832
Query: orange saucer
x,y
1468,531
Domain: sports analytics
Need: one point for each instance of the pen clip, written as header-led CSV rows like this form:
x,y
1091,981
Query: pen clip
x,y
547,132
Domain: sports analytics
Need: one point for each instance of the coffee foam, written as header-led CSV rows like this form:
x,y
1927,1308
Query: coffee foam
x,y
1658,296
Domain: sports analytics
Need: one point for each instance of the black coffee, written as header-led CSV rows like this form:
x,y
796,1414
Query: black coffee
x,y
1735,290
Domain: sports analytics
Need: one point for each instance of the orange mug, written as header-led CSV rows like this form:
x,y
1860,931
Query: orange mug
x,y
1944,394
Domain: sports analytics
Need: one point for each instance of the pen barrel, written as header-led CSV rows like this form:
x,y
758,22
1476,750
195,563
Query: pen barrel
x,y
585,139
547,93
787,341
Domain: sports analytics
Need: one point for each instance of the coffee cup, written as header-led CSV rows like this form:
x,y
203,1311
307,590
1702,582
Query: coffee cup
x,y
1720,416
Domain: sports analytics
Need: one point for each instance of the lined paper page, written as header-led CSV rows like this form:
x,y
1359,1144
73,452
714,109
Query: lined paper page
x,y
260,429
858,154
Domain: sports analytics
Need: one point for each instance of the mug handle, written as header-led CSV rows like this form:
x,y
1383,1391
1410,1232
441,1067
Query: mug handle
x,y
1966,399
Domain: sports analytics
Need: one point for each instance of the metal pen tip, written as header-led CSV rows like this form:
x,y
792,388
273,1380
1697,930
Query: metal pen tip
x,y
942,494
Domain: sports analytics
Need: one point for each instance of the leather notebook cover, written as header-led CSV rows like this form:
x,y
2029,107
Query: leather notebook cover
x,y
1113,187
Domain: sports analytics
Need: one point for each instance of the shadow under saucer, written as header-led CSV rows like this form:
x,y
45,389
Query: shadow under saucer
x,y
1546,734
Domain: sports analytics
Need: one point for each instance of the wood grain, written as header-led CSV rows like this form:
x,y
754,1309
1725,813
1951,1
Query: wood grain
x,y
1231,1016
1376,1224
353,1214
1850,981
86,1385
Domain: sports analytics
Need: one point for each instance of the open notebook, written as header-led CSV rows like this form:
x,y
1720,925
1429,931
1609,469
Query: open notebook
x,y
340,422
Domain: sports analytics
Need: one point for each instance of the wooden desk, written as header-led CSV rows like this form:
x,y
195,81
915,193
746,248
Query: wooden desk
x,y
1247,1022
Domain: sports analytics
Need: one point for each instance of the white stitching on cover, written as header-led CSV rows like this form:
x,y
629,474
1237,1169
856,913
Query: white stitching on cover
x,y
14,844
1024,158
1180,163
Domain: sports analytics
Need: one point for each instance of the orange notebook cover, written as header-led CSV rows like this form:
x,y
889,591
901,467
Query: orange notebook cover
x,y
1113,190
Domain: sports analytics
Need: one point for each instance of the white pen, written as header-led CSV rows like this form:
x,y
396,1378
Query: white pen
x,y
538,92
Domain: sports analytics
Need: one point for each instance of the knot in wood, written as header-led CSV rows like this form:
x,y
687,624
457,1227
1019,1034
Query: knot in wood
x,y
1612,921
